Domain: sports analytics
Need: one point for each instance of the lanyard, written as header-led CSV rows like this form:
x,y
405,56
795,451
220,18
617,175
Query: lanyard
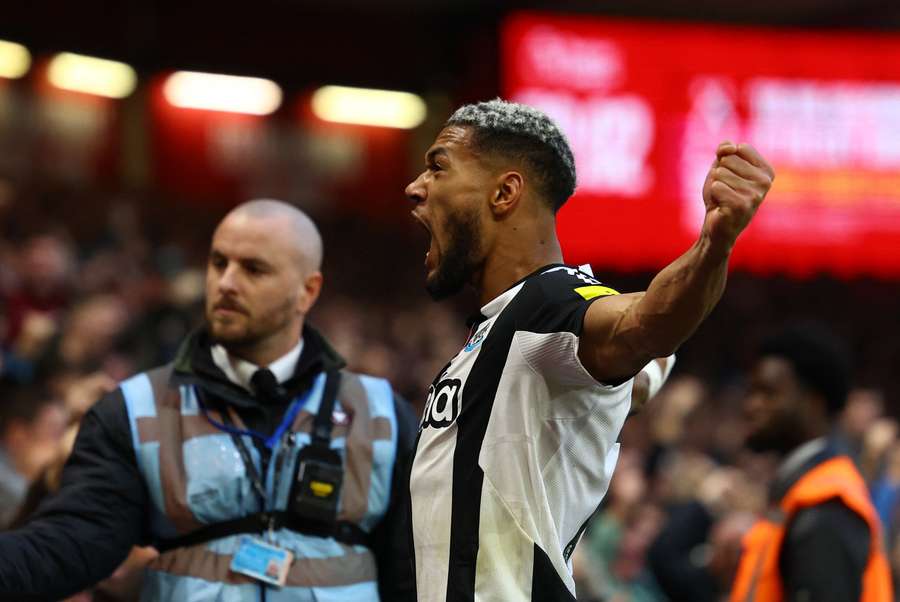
x,y
289,416
236,435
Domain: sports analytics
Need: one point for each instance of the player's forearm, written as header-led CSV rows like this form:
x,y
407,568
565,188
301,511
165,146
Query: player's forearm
x,y
680,297
624,333
684,293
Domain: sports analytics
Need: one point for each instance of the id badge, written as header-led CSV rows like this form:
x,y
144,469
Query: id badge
x,y
262,561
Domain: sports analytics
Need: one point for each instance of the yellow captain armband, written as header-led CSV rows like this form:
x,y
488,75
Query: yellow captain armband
x,y
589,292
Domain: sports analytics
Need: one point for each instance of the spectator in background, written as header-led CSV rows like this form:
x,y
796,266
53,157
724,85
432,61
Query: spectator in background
x,y
35,297
822,540
695,555
710,493
864,408
45,281
78,394
31,426
890,480
886,497
610,565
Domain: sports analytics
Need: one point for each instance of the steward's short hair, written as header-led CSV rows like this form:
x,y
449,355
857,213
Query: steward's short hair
x,y
818,358
526,134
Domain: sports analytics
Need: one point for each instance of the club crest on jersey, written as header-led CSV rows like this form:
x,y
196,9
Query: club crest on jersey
x,y
476,340
442,405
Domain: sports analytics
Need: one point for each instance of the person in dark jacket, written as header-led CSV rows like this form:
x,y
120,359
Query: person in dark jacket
x,y
820,539
255,443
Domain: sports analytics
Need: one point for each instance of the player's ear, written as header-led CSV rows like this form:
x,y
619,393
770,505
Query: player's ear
x,y
507,193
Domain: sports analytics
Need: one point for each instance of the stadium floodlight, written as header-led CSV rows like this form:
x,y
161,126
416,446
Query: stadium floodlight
x,y
362,106
91,75
217,92
15,60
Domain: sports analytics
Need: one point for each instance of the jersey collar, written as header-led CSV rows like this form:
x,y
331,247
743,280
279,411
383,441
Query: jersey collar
x,y
493,307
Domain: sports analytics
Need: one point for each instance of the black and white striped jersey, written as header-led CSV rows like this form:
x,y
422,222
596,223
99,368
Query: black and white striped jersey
x,y
516,448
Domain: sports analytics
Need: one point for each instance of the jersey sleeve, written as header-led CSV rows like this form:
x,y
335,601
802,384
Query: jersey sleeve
x,y
552,320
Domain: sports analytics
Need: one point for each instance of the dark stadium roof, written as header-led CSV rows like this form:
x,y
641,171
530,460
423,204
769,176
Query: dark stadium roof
x,y
424,45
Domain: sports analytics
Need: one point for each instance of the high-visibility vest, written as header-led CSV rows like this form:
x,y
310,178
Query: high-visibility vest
x,y
195,477
758,578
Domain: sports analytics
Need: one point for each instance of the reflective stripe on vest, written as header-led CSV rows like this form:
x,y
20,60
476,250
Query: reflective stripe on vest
x,y
758,578
202,563
195,476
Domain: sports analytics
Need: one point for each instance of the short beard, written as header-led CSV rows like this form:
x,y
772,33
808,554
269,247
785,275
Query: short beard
x,y
251,337
459,261
234,342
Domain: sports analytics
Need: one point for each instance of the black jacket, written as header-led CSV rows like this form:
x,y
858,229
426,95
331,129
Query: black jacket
x,y
81,534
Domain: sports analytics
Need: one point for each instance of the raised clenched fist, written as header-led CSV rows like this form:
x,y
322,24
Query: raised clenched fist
x,y
735,186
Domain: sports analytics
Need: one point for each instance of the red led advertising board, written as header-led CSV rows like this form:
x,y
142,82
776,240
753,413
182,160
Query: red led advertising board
x,y
644,106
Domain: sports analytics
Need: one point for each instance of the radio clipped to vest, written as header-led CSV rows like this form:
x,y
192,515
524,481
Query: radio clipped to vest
x,y
319,471
314,495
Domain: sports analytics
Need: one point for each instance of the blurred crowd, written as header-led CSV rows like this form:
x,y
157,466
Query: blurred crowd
x,y
94,290
685,491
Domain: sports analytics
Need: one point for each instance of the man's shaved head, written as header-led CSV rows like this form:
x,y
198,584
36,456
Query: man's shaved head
x,y
262,279
301,230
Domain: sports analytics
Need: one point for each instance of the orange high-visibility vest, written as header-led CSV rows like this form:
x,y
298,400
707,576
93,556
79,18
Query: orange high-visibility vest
x,y
758,578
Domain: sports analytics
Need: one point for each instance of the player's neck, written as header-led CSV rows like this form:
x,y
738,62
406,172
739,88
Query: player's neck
x,y
516,256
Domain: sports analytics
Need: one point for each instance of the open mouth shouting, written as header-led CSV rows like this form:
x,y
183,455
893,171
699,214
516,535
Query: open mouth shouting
x,y
432,254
